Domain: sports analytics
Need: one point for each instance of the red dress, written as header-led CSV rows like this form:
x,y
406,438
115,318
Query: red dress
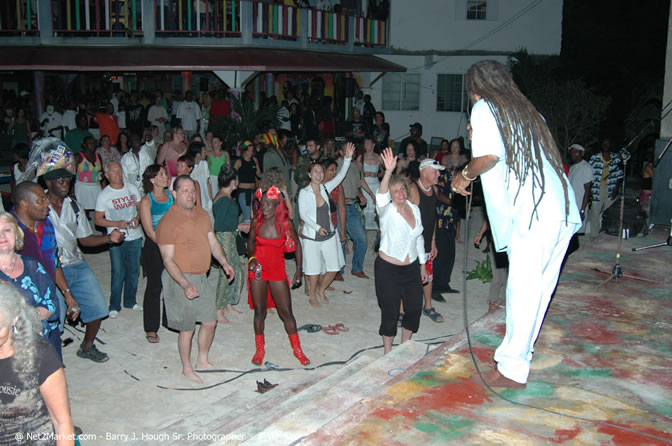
x,y
270,254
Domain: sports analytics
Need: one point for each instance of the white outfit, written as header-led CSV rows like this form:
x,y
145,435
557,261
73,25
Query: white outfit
x,y
54,120
201,173
121,205
155,112
397,238
20,177
535,241
320,256
580,174
130,164
70,119
189,113
283,117
374,184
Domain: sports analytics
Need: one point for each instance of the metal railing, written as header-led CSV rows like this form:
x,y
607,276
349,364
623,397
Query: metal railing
x,y
198,18
18,18
99,18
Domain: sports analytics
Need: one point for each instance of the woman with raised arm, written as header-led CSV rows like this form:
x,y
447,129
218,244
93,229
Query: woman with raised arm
x,y
321,250
400,265
272,234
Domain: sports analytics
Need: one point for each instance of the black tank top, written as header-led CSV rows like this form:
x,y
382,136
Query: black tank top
x,y
427,216
248,171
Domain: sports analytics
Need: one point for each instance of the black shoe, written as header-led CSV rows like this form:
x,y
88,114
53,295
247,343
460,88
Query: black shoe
x,y
438,297
451,290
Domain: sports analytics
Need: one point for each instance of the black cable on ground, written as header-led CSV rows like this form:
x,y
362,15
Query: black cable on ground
x,y
478,370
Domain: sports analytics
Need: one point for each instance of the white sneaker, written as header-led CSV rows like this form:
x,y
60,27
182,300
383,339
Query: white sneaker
x,y
137,307
114,314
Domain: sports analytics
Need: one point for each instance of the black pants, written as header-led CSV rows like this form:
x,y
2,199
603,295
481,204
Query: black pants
x,y
445,259
152,263
396,284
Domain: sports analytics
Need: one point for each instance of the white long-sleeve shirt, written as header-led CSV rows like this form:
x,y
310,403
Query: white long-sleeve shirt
x,y
397,238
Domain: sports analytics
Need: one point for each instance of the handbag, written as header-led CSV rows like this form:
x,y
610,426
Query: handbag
x,y
332,203
241,244
290,245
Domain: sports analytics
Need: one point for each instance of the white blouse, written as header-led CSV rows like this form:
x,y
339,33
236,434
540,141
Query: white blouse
x,y
398,239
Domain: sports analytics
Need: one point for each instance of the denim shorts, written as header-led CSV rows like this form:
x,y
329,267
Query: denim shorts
x,y
86,290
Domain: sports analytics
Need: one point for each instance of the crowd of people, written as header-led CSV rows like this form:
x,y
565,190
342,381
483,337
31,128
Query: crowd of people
x,y
171,195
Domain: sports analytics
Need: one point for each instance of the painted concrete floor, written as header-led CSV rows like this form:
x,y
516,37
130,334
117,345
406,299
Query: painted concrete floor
x,y
604,354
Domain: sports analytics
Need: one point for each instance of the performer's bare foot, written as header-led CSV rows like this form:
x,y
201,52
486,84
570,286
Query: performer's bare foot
x,y
229,309
203,365
313,301
221,319
191,376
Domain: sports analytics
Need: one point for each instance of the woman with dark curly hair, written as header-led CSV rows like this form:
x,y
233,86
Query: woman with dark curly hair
x,y
272,234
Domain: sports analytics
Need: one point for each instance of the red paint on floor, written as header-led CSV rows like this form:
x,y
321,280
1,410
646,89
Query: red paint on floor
x,y
622,437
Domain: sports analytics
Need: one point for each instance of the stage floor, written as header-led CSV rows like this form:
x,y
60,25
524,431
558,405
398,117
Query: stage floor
x,y
604,354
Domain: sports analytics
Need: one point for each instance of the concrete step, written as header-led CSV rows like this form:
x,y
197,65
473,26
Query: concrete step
x,y
318,404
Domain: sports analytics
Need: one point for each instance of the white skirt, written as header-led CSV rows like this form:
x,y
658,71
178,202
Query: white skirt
x,y
87,194
321,257
370,208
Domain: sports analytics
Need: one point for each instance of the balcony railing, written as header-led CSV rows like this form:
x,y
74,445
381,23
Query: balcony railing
x,y
18,18
99,18
226,19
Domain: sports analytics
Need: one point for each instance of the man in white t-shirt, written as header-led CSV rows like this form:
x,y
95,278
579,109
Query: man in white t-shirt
x,y
51,122
117,207
189,114
531,219
581,179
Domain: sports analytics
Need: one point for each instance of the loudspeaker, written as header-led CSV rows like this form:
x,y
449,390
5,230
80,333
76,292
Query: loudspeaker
x,y
204,84
661,197
350,87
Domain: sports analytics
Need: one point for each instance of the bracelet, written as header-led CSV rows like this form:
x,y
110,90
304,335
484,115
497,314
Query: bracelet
x,y
250,259
464,174
109,240
66,291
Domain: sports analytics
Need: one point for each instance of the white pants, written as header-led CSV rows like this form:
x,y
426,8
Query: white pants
x,y
535,258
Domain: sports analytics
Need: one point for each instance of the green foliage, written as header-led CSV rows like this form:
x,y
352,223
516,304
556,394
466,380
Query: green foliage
x,y
573,111
248,122
483,271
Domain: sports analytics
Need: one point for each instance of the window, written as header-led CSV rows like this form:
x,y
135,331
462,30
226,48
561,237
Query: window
x,y
451,96
477,9
401,91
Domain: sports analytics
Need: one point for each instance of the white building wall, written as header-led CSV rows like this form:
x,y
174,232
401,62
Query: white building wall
x,y
666,124
441,25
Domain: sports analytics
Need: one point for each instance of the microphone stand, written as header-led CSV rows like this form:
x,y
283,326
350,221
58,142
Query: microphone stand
x,y
657,245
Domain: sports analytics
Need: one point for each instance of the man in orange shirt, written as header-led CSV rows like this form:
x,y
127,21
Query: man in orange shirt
x,y
107,122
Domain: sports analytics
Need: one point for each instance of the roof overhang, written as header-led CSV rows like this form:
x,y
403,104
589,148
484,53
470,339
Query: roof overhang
x,y
96,58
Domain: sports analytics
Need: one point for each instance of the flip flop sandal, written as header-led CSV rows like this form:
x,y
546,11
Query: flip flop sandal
x,y
341,327
297,285
433,314
152,339
310,328
330,330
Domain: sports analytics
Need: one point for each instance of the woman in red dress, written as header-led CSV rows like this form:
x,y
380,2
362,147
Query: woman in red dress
x,y
272,234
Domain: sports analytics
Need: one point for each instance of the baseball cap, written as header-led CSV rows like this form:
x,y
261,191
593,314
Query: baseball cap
x,y
578,147
434,164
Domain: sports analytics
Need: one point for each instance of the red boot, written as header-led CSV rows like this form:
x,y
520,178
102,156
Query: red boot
x,y
296,346
258,357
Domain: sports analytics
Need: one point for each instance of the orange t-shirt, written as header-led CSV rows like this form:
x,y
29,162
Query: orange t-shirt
x,y
189,234
108,126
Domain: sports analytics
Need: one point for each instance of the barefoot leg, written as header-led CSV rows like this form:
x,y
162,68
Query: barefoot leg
x,y
324,284
312,280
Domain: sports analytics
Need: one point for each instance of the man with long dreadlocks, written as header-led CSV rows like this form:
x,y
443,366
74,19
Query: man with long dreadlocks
x,y
532,212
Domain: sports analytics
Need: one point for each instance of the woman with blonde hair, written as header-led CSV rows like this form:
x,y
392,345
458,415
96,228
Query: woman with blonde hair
x,y
35,401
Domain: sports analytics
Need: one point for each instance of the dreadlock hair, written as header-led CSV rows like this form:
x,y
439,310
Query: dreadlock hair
x,y
524,131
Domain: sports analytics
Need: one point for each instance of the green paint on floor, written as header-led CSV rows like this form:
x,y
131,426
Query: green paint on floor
x,y
488,339
451,427
428,379
584,373
535,389
559,320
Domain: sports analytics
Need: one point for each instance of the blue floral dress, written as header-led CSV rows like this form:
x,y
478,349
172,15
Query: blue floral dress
x,y
38,289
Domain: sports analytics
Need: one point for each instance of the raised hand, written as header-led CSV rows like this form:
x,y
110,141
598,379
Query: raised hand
x,y
389,160
349,149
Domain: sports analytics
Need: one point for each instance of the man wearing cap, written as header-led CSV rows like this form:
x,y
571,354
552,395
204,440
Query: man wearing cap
x,y
423,194
416,136
581,179
71,225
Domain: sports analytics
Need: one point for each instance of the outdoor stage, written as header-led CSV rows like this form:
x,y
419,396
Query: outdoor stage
x,y
604,354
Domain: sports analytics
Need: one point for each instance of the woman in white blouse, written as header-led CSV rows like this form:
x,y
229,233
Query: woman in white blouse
x,y
400,265
322,253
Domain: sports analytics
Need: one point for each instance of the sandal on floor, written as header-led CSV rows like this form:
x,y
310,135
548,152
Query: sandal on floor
x,y
341,327
310,328
330,330
432,314
400,320
297,285
152,339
